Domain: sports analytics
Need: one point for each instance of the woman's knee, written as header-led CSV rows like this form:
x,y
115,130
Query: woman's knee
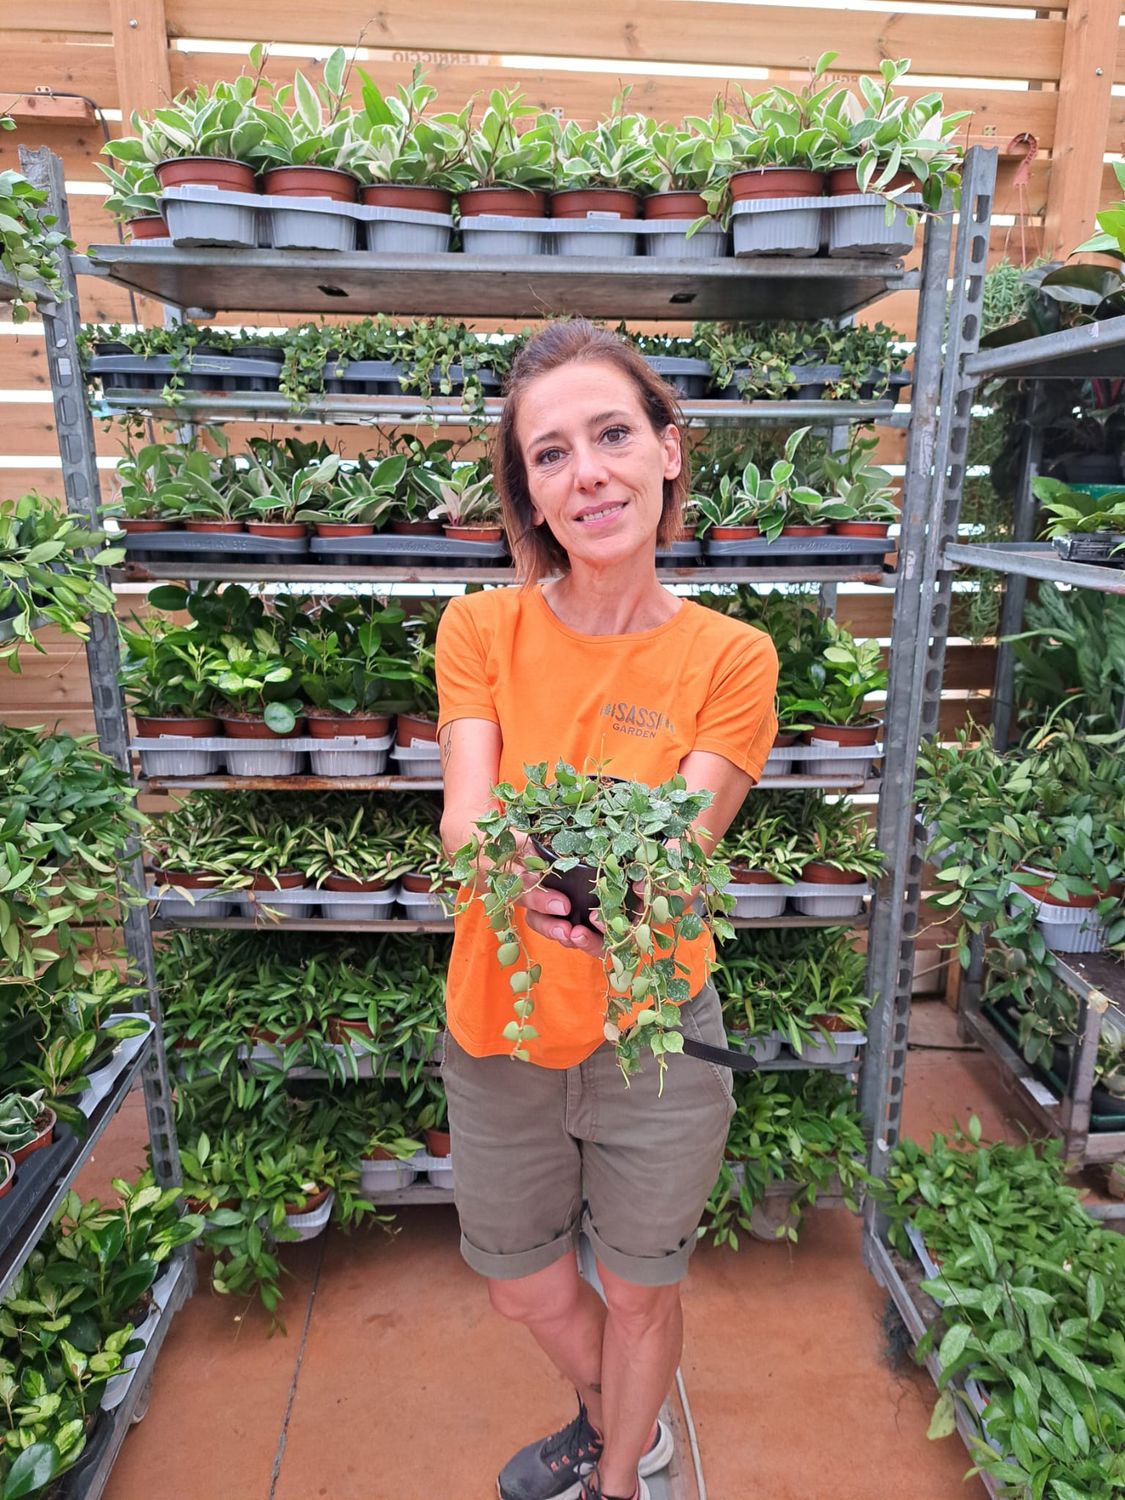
x,y
542,1296
640,1306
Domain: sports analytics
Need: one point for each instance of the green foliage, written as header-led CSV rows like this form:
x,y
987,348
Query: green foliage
x,y
788,981
29,244
1070,658
647,862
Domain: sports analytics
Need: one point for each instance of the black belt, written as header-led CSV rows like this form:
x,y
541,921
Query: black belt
x,y
741,1062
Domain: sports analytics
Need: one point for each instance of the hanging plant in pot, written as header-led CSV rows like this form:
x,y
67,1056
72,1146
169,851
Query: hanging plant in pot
x,y
411,159
508,156
469,508
636,847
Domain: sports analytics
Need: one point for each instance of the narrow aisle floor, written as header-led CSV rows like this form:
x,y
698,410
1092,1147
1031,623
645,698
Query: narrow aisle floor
x,y
396,1381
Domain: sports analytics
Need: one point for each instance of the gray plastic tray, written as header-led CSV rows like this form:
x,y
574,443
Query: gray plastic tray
x,y
199,372
409,548
211,216
203,545
866,549
778,226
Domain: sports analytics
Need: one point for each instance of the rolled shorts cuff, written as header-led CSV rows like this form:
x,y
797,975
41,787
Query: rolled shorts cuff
x,y
510,1267
640,1270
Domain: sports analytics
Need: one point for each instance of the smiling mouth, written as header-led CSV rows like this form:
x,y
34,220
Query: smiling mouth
x,y
600,515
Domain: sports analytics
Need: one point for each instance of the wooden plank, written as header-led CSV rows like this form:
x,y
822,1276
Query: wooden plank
x,y
78,146
648,31
80,61
62,15
47,107
140,52
1092,35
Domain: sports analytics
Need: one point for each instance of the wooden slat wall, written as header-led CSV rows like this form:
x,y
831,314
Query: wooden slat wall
x,y
469,50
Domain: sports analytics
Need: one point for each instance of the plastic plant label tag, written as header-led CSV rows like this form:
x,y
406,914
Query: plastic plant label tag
x,y
416,744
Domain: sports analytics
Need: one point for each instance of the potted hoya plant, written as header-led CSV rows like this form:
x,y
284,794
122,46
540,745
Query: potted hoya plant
x,y
134,198
509,156
781,147
204,136
308,146
278,499
686,181
602,169
359,499
469,508
413,159
865,489
358,856
572,829
26,1125
144,478
840,681
164,671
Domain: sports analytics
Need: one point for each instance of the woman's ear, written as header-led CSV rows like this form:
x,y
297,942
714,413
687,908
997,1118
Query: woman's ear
x,y
537,516
672,444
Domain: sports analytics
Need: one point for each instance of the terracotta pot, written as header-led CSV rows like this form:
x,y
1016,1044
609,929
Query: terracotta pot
x,y
821,874
8,1167
744,875
201,1206
147,227
862,528
847,734
805,530
256,729
474,533
423,883
340,1030
343,528
139,526
286,880
1038,892
509,203
220,528
415,528
258,1034
687,206
410,727
576,203
831,1023
736,533
429,200
311,1204
46,1123
197,729
776,182
190,880
346,883
208,171
783,739
378,1153
325,725
843,180
311,182
437,1142
294,529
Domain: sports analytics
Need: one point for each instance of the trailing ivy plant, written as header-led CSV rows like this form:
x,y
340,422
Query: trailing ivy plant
x,y
29,244
49,563
647,865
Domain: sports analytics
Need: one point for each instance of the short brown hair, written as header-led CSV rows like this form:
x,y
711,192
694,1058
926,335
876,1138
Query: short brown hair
x,y
572,341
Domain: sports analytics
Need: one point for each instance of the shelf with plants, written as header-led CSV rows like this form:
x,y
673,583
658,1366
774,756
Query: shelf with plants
x,y
1036,560
1010,1291
1026,846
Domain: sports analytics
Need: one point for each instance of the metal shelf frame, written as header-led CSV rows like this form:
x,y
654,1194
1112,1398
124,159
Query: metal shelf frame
x,y
404,925
200,282
820,573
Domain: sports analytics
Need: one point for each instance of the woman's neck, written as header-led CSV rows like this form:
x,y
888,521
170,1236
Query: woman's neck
x,y
594,602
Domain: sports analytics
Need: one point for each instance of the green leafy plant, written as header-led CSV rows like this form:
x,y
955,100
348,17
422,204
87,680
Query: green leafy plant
x,y
405,142
512,145
307,123
632,836
29,244
1072,510
839,682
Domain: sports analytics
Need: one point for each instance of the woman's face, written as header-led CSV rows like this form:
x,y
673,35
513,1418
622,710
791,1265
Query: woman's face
x,y
595,467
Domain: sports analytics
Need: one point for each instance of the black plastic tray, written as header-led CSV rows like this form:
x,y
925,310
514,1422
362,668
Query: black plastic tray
x,y
1047,1075
198,372
1092,547
680,552
152,546
368,377
385,547
865,550
34,1177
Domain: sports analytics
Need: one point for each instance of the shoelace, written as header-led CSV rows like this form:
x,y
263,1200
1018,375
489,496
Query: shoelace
x,y
566,1443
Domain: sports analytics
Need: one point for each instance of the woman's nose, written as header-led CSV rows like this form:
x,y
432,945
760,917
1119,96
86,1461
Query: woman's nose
x,y
589,468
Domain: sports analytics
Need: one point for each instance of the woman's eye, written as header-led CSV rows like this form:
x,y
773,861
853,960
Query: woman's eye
x,y
616,434
549,456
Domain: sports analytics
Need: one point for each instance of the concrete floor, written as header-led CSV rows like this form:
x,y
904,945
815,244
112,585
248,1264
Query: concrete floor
x,y
397,1382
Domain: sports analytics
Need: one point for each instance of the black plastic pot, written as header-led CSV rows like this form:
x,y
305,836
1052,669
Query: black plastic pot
x,y
577,885
1091,468
1102,1102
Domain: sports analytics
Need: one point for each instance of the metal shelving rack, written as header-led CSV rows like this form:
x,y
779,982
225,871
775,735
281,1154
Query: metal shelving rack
x,y
1096,350
61,326
202,282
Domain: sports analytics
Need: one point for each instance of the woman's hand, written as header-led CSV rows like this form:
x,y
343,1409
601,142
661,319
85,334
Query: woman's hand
x,y
548,911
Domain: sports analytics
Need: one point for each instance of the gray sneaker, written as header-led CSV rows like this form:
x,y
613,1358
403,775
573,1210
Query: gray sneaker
x,y
554,1467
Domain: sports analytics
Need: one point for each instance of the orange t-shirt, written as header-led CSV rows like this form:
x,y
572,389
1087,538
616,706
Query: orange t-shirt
x,y
635,704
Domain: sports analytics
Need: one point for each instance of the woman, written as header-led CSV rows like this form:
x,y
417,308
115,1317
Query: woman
x,y
599,665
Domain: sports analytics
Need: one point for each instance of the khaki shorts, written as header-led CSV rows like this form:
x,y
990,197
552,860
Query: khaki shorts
x,y
541,1153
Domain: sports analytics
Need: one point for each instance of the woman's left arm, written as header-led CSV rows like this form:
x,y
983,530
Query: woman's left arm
x,y
704,770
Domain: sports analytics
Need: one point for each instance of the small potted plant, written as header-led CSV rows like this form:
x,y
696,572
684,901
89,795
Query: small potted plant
x,y
509,157
352,662
866,489
197,497
601,169
413,159
1083,527
686,177
579,819
143,478
134,199
279,499
164,670
202,137
7,1174
781,148
841,680
359,855
426,890
360,498
845,854
764,860
26,1125
469,507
